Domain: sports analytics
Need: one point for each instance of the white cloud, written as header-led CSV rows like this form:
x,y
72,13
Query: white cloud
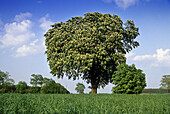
x,y
161,58
34,47
19,38
45,23
16,33
130,54
125,3
143,57
22,16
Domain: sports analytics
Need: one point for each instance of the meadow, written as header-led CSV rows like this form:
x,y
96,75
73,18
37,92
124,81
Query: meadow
x,y
84,103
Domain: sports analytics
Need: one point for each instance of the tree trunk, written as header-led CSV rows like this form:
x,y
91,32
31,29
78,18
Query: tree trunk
x,y
94,90
94,74
94,87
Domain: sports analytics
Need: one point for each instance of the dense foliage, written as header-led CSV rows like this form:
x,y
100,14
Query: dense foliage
x,y
53,87
50,86
34,90
21,87
5,80
165,82
36,80
128,79
87,104
89,47
6,83
80,88
7,89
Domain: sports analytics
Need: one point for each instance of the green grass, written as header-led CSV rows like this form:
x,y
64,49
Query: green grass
x,y
87,104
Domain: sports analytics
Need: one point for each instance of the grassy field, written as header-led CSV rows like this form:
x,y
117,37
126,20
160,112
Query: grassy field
x,y
86,104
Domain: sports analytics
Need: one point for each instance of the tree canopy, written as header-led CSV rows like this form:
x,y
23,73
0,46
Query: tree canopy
x,y
128,79
80,88
52,87
47,81
165,82
36,80
5,79
21,87
89,47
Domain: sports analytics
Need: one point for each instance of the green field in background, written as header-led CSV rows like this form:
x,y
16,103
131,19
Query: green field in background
x,y
85,103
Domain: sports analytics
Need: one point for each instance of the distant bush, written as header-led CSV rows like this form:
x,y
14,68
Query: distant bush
x,y
8,89
53,87
34,89
156,91
21,87
3,90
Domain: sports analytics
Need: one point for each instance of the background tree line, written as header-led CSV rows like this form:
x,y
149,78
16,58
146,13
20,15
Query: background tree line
x,y
38,82
46,85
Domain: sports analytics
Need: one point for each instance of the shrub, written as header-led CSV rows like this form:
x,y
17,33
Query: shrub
x,y
3,90
128,80
8,89
21,87
34,89
54,87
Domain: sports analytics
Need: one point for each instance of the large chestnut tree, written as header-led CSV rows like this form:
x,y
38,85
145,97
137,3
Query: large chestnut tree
x,y
89,47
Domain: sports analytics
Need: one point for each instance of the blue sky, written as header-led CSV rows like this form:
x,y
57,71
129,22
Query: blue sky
x,y
24,22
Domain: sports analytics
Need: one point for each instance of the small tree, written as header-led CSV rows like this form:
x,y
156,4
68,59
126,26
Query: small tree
x,y
80,88
52,87
5,80
128,80
165,82
21,87
37,79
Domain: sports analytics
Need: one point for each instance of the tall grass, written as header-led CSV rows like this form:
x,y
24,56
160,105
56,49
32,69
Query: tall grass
x,y
86,104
